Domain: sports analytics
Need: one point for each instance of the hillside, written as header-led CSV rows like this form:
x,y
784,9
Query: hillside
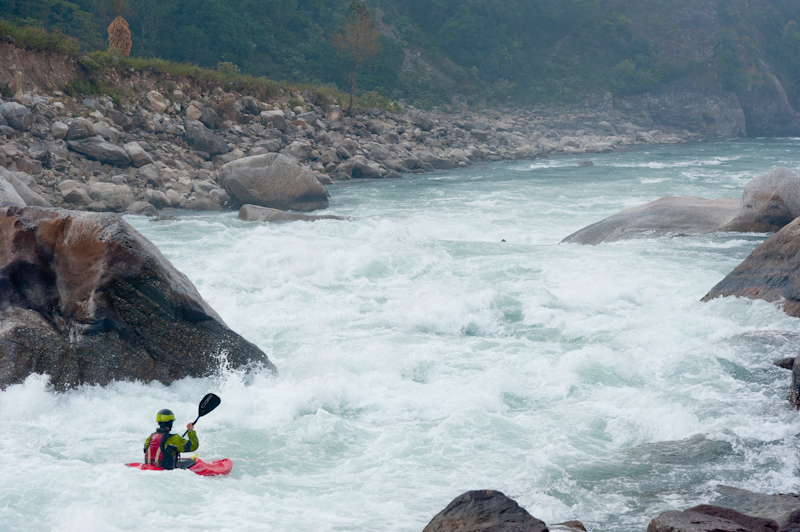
x,y
482,53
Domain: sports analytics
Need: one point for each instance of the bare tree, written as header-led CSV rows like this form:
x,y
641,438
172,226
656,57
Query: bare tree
x,y
359,38
119,34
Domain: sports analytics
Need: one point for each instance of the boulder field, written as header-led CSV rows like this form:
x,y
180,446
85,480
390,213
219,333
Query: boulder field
x,y
86,299
770,202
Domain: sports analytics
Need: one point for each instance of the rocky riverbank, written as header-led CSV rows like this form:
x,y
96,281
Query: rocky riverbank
x,y
163,145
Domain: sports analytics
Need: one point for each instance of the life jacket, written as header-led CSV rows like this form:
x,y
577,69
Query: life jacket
x,y
160,454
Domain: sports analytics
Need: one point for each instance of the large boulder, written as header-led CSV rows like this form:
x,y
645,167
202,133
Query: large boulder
x,y
201,138
85,298
17,116
100,150
27,195
672,215
770,201
9,196
80,129
254,213
138,156
675,521
755,524
273,180
780,507
118,197
484,511
273,119
771,272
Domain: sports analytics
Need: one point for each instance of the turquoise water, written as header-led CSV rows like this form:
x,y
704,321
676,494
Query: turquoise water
x,y
420,357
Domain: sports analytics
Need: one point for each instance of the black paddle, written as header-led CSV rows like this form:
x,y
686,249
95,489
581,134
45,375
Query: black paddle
x,y
209,403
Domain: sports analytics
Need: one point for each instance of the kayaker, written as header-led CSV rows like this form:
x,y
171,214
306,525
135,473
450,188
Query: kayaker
x,y
163,449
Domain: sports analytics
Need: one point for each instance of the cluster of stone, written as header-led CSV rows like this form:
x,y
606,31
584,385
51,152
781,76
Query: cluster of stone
x,y
160,152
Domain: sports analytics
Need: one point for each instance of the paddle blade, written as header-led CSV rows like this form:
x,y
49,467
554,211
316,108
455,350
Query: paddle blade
x,y
209,403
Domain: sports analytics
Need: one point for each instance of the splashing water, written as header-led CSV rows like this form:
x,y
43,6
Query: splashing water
x,y
420,356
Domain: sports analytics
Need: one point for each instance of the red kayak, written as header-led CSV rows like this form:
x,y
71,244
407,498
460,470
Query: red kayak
x,y
204,469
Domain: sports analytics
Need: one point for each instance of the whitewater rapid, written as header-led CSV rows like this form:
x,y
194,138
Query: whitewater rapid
x,y
420,356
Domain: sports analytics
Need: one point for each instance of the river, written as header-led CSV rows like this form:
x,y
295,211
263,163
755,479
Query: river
x,y
420,356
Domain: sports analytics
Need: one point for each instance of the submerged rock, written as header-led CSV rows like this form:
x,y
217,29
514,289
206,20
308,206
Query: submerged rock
x,y
273,180
771,272
487,511
254,213
85,298
672,215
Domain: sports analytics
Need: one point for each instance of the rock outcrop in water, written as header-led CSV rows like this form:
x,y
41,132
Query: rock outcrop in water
x,y
86,299
672,215
254,213
771,272
707,518
736,510
487,511
770,201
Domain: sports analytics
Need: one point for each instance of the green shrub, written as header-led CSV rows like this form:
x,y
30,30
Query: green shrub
x,y
32,38
376,100
228,71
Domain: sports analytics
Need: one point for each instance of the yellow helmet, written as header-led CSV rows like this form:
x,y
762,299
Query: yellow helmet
x,y
165,416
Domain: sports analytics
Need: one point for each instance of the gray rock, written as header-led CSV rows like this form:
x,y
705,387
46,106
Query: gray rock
x,y
480,136
210,118
106,306
754,524
118,197
100,150
141,208
156,198
300,150
17,116
484,511
674,521
77,196
30,197
80,129
200,138
363,171
38,152
9,196
254,213
120,119
59,130
273,180
770,202
273,119
149,174
672,215
202,203
138,156
423,121
438,163
250,105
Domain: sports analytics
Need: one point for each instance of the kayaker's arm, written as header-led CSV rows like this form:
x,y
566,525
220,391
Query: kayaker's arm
x,y
192,443
146,444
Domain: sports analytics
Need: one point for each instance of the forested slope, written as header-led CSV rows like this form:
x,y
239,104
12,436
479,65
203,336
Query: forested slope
x,y
436,52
